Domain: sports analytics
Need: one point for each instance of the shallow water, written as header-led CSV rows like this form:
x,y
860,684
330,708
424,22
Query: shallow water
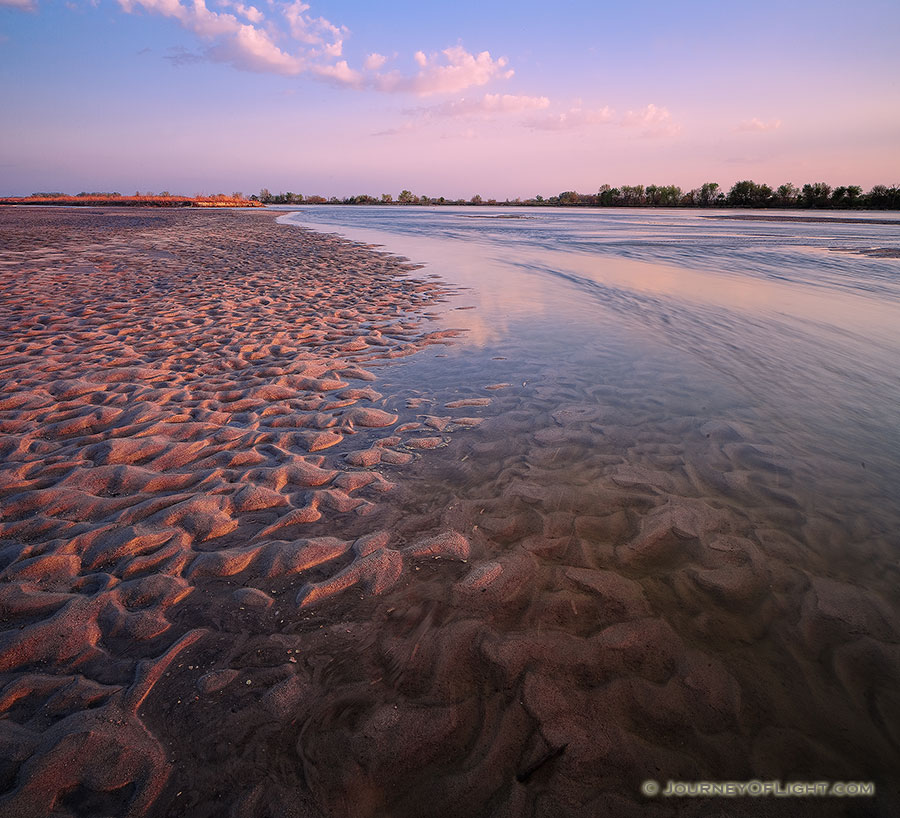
x,y
704,408
805,336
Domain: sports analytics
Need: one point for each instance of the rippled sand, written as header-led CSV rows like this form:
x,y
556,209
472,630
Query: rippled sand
x,y
238,580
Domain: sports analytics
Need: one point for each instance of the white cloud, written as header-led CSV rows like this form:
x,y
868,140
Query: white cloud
x,y
757,125
451,71
652,121
23,5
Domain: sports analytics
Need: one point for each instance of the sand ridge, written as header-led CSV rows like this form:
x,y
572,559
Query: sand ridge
x,y
183,396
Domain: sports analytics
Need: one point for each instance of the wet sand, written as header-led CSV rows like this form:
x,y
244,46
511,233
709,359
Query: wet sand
x,y
243,574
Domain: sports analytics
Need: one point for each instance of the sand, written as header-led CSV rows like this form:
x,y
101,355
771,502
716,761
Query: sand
x,y
243,578
183,396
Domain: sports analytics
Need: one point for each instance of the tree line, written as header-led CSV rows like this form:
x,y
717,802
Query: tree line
x,y
748,193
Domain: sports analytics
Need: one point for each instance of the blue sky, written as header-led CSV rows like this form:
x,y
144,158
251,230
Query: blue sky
x,y
503,99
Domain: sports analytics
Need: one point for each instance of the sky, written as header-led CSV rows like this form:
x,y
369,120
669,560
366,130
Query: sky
x,y
501,99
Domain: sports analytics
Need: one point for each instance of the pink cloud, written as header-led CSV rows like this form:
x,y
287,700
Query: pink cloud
x,y
340,73
196,17
757,125
249,45
23,5
451,71
487,105
652,121
251,48
295,42
251,13
374,62
314,31
572,119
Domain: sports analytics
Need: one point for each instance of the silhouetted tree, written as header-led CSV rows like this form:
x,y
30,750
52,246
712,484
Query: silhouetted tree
x,y
882,197
815,195
708,193
749,194
786,195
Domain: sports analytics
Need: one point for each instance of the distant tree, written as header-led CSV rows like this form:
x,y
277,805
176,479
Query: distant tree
x,y
476,199
708,193
749,194
424,200
882,197
606,196
632,195
406,197
815,195
853,194
386,198
567,197
838,196
787,194
670,195
264,196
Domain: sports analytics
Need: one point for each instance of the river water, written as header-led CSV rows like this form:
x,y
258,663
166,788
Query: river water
x,y
787,317
683,499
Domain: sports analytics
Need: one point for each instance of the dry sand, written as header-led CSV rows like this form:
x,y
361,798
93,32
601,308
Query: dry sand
x,y
237,581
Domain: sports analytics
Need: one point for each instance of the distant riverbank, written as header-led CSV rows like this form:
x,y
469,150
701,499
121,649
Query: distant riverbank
x,y
132,201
